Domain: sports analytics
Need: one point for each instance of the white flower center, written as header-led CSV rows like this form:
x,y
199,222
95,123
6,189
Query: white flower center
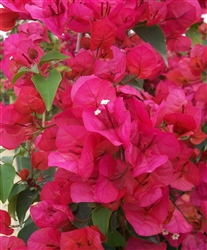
x,y
104,102
175,236
165,232
96,112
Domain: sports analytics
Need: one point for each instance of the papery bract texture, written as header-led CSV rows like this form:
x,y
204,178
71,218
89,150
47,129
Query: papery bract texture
x,y
48,214
44,239
12,243
138,244
85,238
5,221
142,60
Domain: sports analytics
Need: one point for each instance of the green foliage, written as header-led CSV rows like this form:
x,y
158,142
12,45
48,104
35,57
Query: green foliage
x,y
24,70
24,200
155,36
27,230
16,189
52,56
47,87
101,217
194,35
82,215
7,174
115,239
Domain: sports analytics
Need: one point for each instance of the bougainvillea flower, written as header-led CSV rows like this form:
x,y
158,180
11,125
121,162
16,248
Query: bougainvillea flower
x,y
79,16
149,221
147,194
76,146
195,241
177,229
5,222
103,34
201,93
8,19
12,133
176,101
86,238
156,12
142,60
39,160
179,44
112,70
35,31
18,54
44,239
29,101
48,214
179,19
105,190
12,243
57,191
186,176
88,92
52,14
111,120
139,244
150,149
83,191
81,64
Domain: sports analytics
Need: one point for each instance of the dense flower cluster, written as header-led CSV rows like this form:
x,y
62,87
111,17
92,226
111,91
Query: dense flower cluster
x,y
128,137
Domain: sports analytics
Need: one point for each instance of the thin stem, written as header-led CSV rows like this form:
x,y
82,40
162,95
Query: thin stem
x,y
80,35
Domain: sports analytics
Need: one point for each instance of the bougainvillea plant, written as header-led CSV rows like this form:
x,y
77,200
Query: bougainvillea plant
x,y
111,114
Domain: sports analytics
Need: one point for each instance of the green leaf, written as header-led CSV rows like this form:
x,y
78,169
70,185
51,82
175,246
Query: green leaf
x,y
12,206
24,201
8,159
107,247
52,56
2,150
47,87
24,70
155,36
17,188
21,71
204,43
83,214
100,218
115,239
7,174
23,162
194,35
26,231
137,84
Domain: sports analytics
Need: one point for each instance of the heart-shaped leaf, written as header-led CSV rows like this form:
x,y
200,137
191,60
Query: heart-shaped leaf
x,y
47,87
154,35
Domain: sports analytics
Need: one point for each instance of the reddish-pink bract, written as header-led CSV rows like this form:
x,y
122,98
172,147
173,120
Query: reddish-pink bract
x,y
126,133
138,244
5,222
86,238
102,35
44,239
29,101
12,243
48,214
142,60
